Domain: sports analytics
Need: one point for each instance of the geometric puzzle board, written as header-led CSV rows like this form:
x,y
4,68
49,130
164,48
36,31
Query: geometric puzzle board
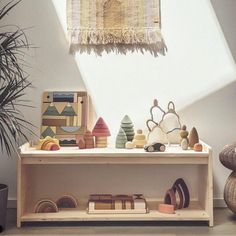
x,y
64,116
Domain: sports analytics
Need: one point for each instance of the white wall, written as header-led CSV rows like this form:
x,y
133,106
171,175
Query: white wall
x,y
193,74
52,67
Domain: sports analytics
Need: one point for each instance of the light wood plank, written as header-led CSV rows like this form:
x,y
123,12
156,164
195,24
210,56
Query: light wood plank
x,y
193,213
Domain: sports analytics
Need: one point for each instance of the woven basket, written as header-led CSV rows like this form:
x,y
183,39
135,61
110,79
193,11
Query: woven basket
x,y
230,192
228,157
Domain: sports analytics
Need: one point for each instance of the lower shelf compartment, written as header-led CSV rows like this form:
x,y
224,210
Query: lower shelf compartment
x,y
193,213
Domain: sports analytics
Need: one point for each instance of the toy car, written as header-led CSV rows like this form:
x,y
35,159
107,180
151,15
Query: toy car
x,y
155,147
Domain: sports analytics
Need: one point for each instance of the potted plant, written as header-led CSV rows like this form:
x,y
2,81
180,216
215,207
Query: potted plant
x,y
13,82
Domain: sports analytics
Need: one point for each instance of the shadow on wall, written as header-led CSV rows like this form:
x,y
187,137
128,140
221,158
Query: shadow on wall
x,y
215,115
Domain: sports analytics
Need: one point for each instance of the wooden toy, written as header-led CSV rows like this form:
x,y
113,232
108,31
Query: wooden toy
x,y
48,144
129,145
184,144
89,140
101,132
166,208
128,127
81,141
139,139
67,201
183,132
170,124
197,147
193,137
184,138
45,206
121,139
64,116
164,129
179,187
116,204
155,147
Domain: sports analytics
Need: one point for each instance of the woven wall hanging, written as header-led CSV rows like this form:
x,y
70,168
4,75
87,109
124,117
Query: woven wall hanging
x,y
112,23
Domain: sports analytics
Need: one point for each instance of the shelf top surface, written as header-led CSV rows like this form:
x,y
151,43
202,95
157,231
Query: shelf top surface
x,y
173,150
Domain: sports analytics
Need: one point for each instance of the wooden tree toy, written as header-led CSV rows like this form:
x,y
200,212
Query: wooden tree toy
x,y
89,140
128,127
101,132
139,139
121,139
193,137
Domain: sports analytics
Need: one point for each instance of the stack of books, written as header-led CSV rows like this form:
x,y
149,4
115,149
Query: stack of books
x,y
117,204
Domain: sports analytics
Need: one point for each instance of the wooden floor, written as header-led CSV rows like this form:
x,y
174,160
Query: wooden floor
x,y
225,224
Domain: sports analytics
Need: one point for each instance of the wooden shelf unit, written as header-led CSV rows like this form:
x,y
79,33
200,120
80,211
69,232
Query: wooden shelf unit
x,y
201,209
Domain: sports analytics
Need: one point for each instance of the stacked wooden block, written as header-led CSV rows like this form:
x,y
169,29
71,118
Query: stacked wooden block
x,y
101,132
106,203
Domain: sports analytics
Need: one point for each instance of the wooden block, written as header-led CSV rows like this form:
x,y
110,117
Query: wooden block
x,y
166,208
101,146
81,144
48,97
69,130
103,206
89,142
128,205
139,204
53,122
118,204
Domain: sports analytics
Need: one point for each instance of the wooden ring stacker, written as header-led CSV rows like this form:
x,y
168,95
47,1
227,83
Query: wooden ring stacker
x,y
170,197
179,183
181,188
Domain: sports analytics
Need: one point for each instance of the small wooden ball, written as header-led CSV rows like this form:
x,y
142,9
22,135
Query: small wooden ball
x,y
197,147
129,145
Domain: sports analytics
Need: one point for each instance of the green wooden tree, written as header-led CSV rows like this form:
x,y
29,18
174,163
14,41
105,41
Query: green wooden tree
x,y
121,139
128,127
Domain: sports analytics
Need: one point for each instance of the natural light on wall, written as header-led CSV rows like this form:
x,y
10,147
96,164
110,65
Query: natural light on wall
x,y
198,62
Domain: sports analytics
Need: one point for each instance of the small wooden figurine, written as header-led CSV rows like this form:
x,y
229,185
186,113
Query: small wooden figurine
x,y
101,132
121,139
48,144
184,138
89,139
193,137
128,127
184,144
139,139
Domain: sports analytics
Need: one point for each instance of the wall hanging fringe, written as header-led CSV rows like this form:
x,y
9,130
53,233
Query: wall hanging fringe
x,y
125,24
